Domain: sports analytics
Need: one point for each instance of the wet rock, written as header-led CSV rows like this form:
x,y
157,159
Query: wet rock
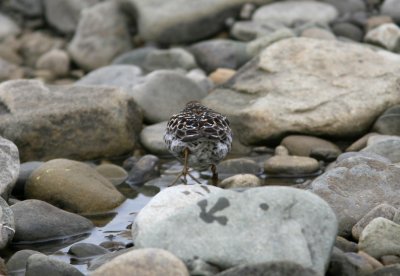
x,y
386,36
102,34
165,93
200,267
389,148
9,71
40,264
30,8
348,30
37,220
152,139
17,262
73,186
289,12
145,168
347,6
263,89
388,123
240,181
238,166
84,250
219,53
383,210
387,270
7,224
217,217
380,237
354,186
249,30
221,75
340,264
8,27
174,58
9,167
56,61
318,33
391,8
149,261
254,47
291,165
78,122
113,173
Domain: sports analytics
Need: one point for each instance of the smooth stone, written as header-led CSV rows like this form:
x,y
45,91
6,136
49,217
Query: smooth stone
x,y
354,186
250,30
386,36
391,8
152,139
291,165
289,12
84,250
148,261
240,181
101,35
303,145
219,53
238,166
360,143
383,210
200,77
165,93
9,71
7,224
200,267
37,221
64,15
264,89
221,75
145,169
256,46
30,8
347,6
340,265
73,186
103,259
17,262
390,270
269,268
8,27
376,21
345,245
318,33
173,58
348,30
40,264
9,167
284,230
79,122
380,237
388,123
389,148
135,57
113,173
57,61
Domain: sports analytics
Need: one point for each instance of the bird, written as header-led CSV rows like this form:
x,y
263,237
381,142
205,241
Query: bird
x,y
200,138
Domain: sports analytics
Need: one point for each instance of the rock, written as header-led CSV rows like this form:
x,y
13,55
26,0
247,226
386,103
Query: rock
x,y
74,186
135,57
264,89
25,171
348,30
145,169
284,230
376,21
371,260
391,8
10,54
388,122
165,93
9,71
113,173
256,46
56,61
387,270
318,33
221,75
347,6
9,167
388,148
219,53
390,260
149,261
289,12
345,245
174,58
354,186
160,182
249,30
17,262
360,143
362,156
35,44
386,36
30,8
85,250
200,267
152,139
291,165
379,138
78,122
238,166
340,264
40,264
383,210
240,181
7,224
102,34
362,265
37,220
380,237
99,261
200,77
269,268
303,145
8,27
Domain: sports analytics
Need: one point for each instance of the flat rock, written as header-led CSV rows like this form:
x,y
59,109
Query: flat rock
x,y
380,237
389,122
36,220
240,181
276,220
101,35
7,224
355,185
388,147
40,264
152,139
327,101
9,167
386,36
291,165
77,122
74,186
148,261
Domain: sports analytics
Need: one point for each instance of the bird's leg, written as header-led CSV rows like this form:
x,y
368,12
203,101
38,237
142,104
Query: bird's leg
x,y
185,170
214,177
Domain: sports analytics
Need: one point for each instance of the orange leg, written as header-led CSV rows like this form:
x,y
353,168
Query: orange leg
x,y
214,177
185,170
